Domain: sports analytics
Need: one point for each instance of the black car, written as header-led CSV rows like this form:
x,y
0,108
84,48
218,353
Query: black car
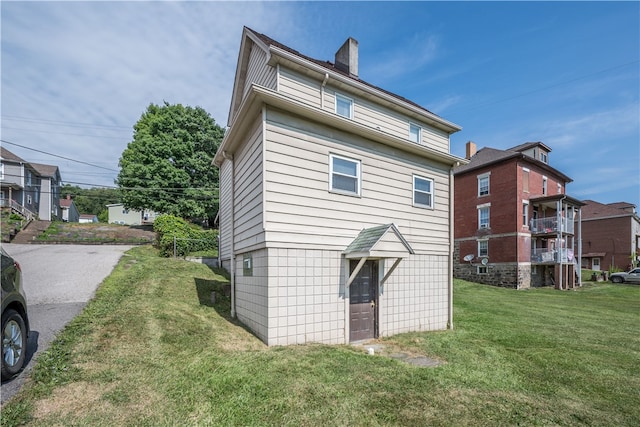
x,y
15,321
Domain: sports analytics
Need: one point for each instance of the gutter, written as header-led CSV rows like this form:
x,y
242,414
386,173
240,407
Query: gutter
x,y
232,267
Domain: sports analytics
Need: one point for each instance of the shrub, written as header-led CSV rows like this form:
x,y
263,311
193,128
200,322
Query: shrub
x,y
187,237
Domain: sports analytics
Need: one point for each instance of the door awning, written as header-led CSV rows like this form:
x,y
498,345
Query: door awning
x,y
383,241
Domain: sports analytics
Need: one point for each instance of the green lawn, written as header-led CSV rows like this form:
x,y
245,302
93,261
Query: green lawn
x,y
152,350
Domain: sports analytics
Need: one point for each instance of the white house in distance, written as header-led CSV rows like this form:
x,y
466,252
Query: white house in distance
x,y
118,214
335,201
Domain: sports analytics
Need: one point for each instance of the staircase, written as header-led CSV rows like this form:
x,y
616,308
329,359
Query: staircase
x,y
31,231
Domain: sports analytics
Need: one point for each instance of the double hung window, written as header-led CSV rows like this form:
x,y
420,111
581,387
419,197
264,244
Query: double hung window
x,y
415,133
483,216
344,175
483,184
422,192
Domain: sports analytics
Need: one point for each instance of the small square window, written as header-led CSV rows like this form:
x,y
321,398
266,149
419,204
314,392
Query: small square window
x,y
422,192
247,265
415,133
344,175
482,269
344,106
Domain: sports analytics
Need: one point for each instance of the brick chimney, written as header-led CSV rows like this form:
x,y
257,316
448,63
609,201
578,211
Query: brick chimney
x,y
471,149
347,57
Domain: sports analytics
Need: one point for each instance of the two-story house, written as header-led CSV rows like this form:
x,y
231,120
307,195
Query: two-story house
x,y
335,201
19,185
514,224
610,236
50,182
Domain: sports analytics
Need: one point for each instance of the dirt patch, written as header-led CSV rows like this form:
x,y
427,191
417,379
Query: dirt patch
x,y
98,233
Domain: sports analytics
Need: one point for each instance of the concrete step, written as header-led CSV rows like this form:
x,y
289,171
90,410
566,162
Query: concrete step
x,y
31,231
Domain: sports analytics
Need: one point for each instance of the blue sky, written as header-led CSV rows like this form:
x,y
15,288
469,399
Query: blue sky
x,y
76,76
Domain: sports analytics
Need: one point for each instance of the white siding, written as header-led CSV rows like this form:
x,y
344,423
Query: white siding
x,y
367,113
248,206
225,210
258,71
299,87
300,210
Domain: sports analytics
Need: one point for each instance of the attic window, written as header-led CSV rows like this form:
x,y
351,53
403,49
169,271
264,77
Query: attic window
x,y
344,106
415,133
543,157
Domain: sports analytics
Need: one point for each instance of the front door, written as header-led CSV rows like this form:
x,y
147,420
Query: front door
x,y
363,298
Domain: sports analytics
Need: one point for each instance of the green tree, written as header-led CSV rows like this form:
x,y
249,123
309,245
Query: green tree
x,y
167,166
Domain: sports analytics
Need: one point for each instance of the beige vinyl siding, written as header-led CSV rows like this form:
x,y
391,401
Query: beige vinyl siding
x,y
367,113
248,214
299,87
300,209
226,227
259,72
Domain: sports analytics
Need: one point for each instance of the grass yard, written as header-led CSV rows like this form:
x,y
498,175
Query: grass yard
x,y
152,350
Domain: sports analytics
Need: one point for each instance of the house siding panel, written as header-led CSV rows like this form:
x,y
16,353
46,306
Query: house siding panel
x,y
367,113
298,197
225,210
248,213
258,72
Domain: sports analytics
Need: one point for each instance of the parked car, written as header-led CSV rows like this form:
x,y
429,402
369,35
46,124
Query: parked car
x,y
15,321
632,276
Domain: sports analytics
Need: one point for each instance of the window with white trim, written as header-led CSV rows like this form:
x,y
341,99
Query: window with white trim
x,y
483,184
344,106
483,216
422,192
543,157
525,180
559,188
29,199
344,175
525,212
544,185
415,133
483,248
482,269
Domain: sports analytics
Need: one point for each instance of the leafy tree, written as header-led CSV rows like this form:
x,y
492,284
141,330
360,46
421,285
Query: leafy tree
x,y
167,166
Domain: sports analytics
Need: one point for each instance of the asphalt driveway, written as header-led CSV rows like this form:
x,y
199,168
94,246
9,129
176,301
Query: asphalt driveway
x,y
59,280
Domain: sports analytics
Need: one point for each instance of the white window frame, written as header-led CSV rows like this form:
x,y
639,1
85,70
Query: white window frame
x,y
483,252
430,193
482,269
418,136
29,199
559,188
544,185
543,157
358,176
340,97
481,178
481,208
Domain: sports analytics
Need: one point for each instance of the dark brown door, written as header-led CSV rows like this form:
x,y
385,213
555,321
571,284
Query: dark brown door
x,y
363,298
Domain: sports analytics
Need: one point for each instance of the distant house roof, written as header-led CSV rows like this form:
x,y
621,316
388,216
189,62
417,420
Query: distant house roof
x,y
87,216
595,210
66,203
45,170
8,155
488,156
528,145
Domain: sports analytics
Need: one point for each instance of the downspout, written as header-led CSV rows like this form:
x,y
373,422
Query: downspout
x,y
579,264
232,267
324,82
451,248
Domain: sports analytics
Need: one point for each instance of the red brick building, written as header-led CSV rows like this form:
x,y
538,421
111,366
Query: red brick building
x,y
610,236
514,224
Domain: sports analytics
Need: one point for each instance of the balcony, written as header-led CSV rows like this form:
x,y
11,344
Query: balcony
x,y
552,256
550,226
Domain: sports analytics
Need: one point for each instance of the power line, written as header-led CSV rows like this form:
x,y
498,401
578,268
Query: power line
x,y
65,133
55,155
63,123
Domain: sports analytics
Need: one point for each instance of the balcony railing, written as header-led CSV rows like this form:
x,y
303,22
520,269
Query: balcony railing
x,y
18,208
550,225
554,256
